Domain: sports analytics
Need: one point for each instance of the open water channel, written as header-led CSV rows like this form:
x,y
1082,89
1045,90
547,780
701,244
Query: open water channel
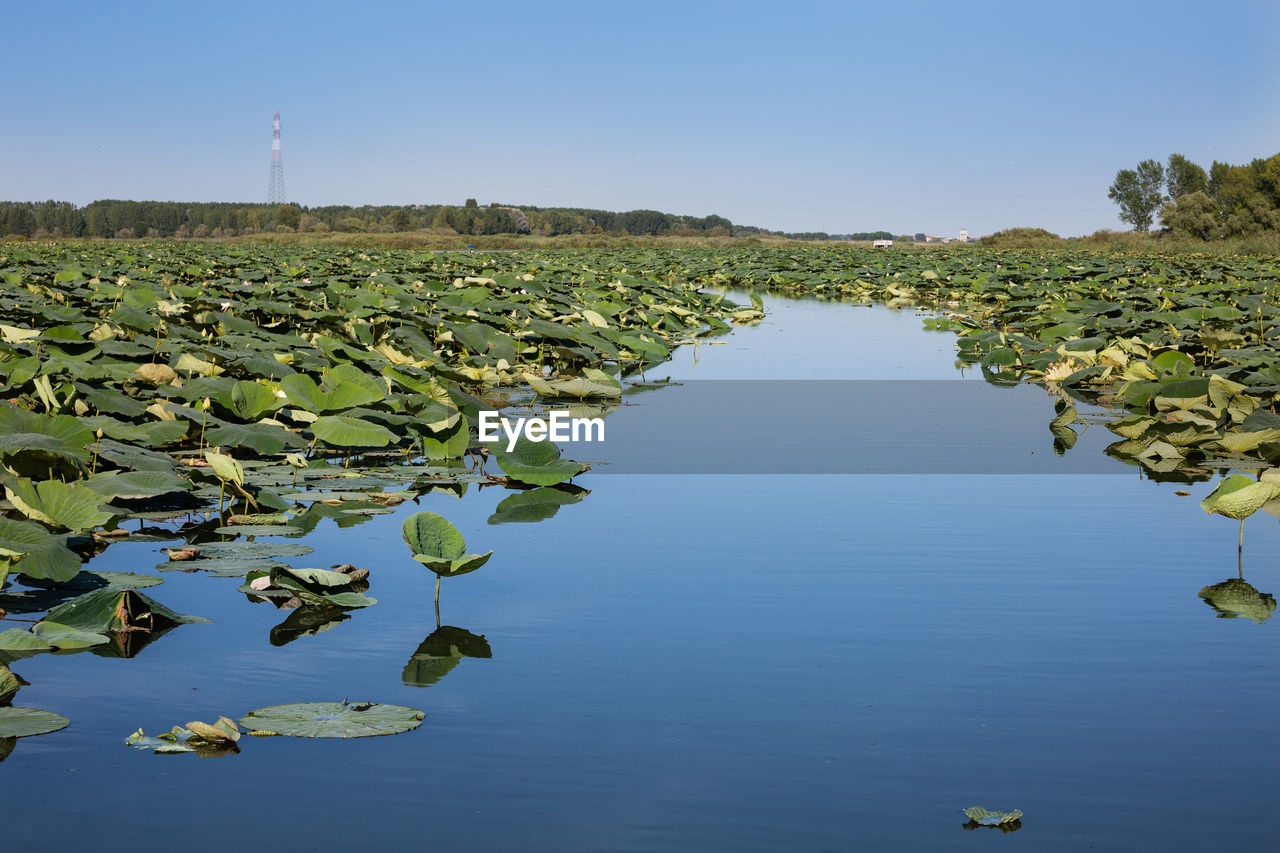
x,y
723,660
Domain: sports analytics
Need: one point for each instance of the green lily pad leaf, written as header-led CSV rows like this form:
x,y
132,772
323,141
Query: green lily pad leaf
x,y
65,637
260,438
1066,414
223,567
1173,361
25,722
982,816
225,467
1239,496
259,529
303,392
112,609
534,505
10,684
537,463
252,550
136,485
343,431
18,640
119,580
333,719
439,545
35,552
593,384
58,504
251,400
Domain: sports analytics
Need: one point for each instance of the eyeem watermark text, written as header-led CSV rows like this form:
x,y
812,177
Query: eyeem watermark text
x,y
558,427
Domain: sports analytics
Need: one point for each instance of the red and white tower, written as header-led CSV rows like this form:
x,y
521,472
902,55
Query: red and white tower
x,y
275,184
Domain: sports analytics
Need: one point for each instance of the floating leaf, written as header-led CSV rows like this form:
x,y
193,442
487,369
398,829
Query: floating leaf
x,y
25,722
334,719
537,463
113,609
984,817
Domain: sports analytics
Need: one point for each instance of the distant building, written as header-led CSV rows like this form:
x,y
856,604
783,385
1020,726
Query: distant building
x,y
964,235
882,244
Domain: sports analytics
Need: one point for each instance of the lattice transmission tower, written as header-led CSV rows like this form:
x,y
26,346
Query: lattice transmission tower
x,y
275,184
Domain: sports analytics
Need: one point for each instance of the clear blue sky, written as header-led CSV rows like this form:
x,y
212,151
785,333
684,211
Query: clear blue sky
x,y
799,116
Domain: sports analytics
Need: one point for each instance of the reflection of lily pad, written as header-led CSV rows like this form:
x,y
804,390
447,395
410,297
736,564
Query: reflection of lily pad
x,y
333,719
440,652
535,505
1234,598
306,622
25,722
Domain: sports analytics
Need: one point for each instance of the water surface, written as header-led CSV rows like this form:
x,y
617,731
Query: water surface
x,y
720,662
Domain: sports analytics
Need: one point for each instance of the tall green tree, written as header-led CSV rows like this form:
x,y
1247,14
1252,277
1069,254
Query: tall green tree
x,y
1185,177
1139,193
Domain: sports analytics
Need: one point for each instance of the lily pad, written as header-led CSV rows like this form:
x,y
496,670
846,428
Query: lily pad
x,y
113,609
333,719
25,722
439,545
982,816
1239,496
537,463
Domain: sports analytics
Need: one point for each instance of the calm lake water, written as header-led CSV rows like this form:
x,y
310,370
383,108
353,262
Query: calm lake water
x,y
721,662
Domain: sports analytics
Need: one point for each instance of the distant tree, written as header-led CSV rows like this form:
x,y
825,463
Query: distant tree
x,y
1185,177
399,220
921,237
471,202
1192,216
1138,192
288,215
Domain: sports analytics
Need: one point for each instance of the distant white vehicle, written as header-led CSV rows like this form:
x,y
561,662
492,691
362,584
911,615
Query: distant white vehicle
x,y
882,244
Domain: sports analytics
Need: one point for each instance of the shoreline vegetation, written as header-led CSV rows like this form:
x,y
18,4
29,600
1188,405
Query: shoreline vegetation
x,y
1266,244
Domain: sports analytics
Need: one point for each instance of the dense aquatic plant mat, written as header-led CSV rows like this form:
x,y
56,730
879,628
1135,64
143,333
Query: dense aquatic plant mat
x,y
143,378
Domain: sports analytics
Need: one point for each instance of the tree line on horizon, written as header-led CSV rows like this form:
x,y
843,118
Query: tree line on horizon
x,y
1223,202
122,219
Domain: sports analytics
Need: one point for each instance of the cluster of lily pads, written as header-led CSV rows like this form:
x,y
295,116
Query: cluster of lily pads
x,y
136,381
345,719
